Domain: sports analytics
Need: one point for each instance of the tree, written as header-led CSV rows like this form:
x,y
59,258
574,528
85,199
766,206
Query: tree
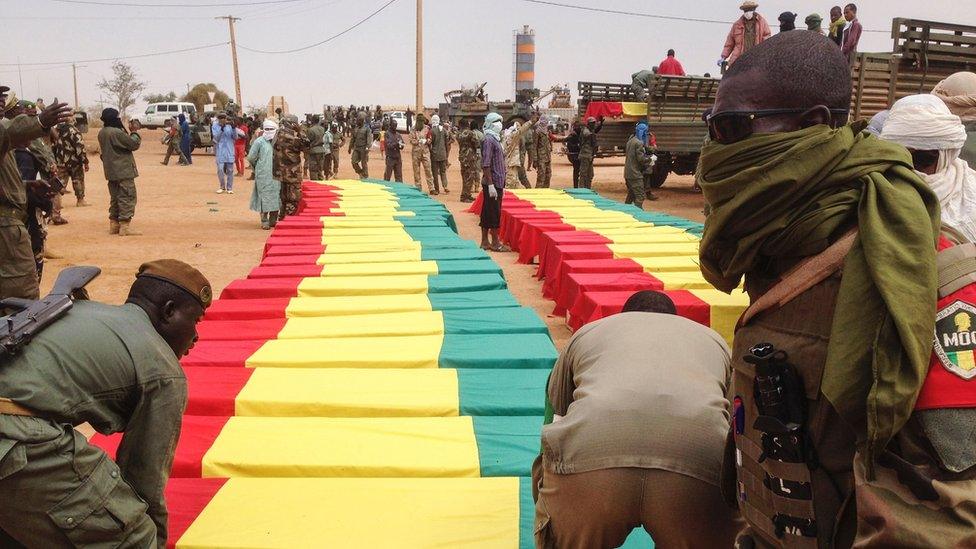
x,y
199,96
124,88
161,97
256,111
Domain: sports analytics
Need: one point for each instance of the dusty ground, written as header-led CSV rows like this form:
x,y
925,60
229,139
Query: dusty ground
x,y
182,217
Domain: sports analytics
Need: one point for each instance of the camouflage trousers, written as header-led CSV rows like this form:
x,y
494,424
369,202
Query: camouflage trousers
x,y
122,204
291,195
586,172
420,159
514,176
334,157
360,162
77,177
470,175
543,173
60,491
316,166
635,192
18,273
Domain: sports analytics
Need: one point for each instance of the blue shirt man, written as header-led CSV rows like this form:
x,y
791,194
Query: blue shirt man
x,y
224,134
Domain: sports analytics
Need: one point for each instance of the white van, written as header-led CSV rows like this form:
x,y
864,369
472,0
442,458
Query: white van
x,y
400,118
157,114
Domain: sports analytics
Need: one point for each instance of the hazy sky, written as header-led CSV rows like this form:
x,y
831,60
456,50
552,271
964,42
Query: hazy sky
x,y
465,41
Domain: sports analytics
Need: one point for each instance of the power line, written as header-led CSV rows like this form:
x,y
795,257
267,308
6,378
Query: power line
x,y
327,40
118,58
194,5
646,15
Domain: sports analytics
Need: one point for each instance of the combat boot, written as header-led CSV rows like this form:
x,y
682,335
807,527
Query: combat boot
x,y
113,227
81,203
124,229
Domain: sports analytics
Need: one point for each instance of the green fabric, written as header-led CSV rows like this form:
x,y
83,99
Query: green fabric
x,y
437,284
427,233
784,196
453,254
474,266
507,444
498,351
472,300
485,393
526,514
498,320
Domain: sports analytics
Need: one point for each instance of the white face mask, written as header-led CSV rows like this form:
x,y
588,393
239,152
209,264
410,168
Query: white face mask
x,y
270,133
749,14
497,127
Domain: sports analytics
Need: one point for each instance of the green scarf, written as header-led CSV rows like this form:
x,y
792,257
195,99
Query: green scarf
x,y
836,27
785,196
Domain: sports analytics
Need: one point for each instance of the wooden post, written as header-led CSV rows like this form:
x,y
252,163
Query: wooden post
x,y
74,76
233,54
420,56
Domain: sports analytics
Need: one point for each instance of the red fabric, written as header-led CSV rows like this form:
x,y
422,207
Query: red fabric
x,y
292,241
547,267
552,285
597,305
226,330
604,109
285,271
475,207
241,309
277,260
575,285
261,288
226,354
185,500
197,436
213,391
531,242
670,67
308,249
551,257
942,388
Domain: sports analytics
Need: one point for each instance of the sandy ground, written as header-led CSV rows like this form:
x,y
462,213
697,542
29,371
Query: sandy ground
x,y
182,217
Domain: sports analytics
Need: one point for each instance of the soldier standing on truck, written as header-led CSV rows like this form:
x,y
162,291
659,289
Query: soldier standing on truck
x,y
588,148
639,81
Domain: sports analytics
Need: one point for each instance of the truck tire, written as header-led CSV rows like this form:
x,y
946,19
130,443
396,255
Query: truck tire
x,y
660,173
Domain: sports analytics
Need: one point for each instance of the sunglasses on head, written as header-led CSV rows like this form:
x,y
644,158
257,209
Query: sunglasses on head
x,y
729,127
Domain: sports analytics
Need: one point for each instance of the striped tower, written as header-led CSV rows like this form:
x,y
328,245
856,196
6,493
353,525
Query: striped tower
x,y
524,63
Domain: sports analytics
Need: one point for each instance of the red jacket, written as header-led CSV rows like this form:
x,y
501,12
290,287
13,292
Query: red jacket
x,y
852,36
670,67
733,43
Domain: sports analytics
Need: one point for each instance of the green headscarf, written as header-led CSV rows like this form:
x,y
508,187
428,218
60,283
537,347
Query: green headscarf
x,y
785,196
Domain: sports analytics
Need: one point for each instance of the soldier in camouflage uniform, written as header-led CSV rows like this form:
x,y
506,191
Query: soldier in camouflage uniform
x,y
287,167
359,144
46,163
316,151
468,157
420,153
72,159
543,154
338,140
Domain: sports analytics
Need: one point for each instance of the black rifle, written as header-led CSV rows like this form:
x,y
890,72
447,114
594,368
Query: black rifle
x,y
16,330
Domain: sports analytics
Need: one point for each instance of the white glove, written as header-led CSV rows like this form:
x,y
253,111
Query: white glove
x,y
653,159
721,60
492,192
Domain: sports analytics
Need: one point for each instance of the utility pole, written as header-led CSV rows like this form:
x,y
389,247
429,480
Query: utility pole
x,y
420,56
20,75
74,77
233,53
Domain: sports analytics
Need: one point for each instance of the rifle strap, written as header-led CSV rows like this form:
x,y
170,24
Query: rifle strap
x,y
11,408
807,274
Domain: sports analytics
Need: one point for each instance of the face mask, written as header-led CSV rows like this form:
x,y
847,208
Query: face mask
x,y
270,134
497,127
749,14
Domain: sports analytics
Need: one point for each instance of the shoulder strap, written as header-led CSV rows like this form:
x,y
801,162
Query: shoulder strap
x,y
807,274
957,268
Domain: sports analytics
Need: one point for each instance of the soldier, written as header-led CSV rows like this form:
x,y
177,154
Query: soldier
x,y
316,148
468,158
116,147
528,144
174,140
512,145
327,146
116,368
72,159
420,153
440,143
834,234
46,164
287,167
338,140
359,144
587,150
543,153
638,163
393,145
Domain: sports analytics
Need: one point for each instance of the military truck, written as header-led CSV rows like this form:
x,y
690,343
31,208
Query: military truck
x,y
674,110
473,104
924,53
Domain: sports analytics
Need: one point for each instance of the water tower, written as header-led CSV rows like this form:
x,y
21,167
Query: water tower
x,y
524,59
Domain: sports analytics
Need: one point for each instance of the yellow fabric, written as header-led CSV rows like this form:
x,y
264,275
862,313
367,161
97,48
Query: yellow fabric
x,y
383,238
349,392
370,257
634,109
654,249
345,513
324,286
654,229
349,352
344,447
364,247
355,305
685,280
365,221
725,309
373,212
329,233
376,269
665,264
647,238
378,325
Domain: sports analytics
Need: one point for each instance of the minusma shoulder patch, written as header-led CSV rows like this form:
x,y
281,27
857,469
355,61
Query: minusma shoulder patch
x,y
955,338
